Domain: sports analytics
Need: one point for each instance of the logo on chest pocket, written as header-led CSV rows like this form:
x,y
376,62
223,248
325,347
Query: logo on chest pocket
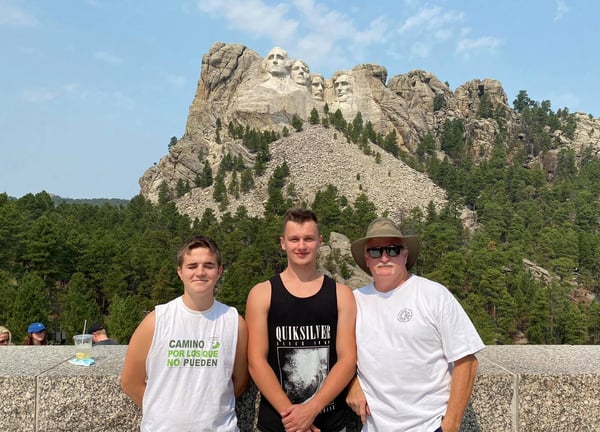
x,y
405,315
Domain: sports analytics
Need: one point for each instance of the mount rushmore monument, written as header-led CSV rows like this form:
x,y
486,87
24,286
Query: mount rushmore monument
x,y
237,84
240,87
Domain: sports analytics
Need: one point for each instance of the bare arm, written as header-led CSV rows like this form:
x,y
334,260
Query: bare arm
x,y
240,367
340,374
463,379
133,377
357,400
257,309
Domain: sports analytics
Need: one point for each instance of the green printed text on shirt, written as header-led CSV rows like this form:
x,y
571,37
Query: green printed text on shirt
x,y
193,353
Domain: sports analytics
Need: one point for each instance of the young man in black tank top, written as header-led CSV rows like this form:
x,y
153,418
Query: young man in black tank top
x,y
301,346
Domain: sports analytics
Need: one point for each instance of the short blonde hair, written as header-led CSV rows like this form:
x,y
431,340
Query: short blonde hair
x,y
4,330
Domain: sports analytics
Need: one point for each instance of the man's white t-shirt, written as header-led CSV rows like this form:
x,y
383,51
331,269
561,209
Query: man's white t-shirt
x,y
407,340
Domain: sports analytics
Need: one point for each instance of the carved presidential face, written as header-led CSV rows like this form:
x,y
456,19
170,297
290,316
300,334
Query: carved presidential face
x,y
277,62
343,87
318,86
300,72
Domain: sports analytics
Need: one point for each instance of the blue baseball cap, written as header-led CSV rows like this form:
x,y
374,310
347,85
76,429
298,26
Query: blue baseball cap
x,y
36,327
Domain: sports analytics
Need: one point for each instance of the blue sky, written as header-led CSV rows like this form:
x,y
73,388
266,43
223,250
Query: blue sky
x,y
92,91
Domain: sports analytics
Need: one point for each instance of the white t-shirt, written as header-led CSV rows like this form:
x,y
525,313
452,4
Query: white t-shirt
x,y
189,368
407,340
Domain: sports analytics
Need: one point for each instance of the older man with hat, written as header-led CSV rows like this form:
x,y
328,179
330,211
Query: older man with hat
x,y
415,343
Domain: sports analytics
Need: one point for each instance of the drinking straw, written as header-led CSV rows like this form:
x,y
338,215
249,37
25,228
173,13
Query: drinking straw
x,y
84,324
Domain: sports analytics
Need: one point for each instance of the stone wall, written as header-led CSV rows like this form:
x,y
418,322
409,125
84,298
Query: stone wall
x,y
531,388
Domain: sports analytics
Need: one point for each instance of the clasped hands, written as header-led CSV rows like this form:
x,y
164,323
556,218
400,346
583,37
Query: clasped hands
x,y
299,418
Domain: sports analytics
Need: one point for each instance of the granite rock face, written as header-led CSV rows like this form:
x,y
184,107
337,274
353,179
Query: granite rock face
x,y
237,86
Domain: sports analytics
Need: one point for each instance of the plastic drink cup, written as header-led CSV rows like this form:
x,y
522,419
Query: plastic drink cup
x,y
83,346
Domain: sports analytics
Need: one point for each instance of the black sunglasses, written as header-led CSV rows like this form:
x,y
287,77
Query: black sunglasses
x,y
392,251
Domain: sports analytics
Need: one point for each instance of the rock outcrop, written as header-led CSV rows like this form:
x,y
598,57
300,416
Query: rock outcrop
x,y
237,86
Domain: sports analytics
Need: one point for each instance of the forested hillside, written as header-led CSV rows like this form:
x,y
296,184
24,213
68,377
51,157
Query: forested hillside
x,y
63,264
525,264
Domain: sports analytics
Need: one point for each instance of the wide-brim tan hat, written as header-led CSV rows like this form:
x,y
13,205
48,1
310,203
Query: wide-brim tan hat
x,y
384,228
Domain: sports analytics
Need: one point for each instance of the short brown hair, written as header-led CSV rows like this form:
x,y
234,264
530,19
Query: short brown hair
x,y
198,242
299,215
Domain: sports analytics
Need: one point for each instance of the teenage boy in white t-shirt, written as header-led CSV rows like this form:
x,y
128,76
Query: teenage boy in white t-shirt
x,y
186,362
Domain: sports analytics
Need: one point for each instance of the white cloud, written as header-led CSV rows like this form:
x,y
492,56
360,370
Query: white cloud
x,y
119,99
306,28
430,29
108,57
465,45
334,35
561,9
431,20
443,34
316,50
420,49
326,37
420,20
375,33
94,97
70,88
43,95
12,16
30,51
115,99
38,95
317,18
254,16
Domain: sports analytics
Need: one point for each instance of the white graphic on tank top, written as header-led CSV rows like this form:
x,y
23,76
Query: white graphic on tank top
x,y
303,371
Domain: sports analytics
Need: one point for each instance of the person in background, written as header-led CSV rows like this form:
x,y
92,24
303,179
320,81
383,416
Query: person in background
x,y
301,346
36,334
5,336
186,361
99,336
415,344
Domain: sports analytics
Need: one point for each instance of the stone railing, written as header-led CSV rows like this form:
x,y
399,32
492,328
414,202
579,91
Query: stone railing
x,y
533,388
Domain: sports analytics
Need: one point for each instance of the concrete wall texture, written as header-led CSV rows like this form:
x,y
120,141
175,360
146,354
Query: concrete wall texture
x,y
526,388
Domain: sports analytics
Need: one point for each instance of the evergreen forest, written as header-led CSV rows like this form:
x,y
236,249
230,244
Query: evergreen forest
x,y
65,262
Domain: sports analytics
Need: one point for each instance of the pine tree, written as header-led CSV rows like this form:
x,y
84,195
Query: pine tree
x,y
314,117
296,123
78,306
125,314
246,181
31,304
219,190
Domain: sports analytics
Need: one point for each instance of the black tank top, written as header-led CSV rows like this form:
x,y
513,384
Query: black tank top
x,y
302,340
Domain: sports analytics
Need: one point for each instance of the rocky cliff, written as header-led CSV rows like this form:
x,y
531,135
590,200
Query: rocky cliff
x,y
240,87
